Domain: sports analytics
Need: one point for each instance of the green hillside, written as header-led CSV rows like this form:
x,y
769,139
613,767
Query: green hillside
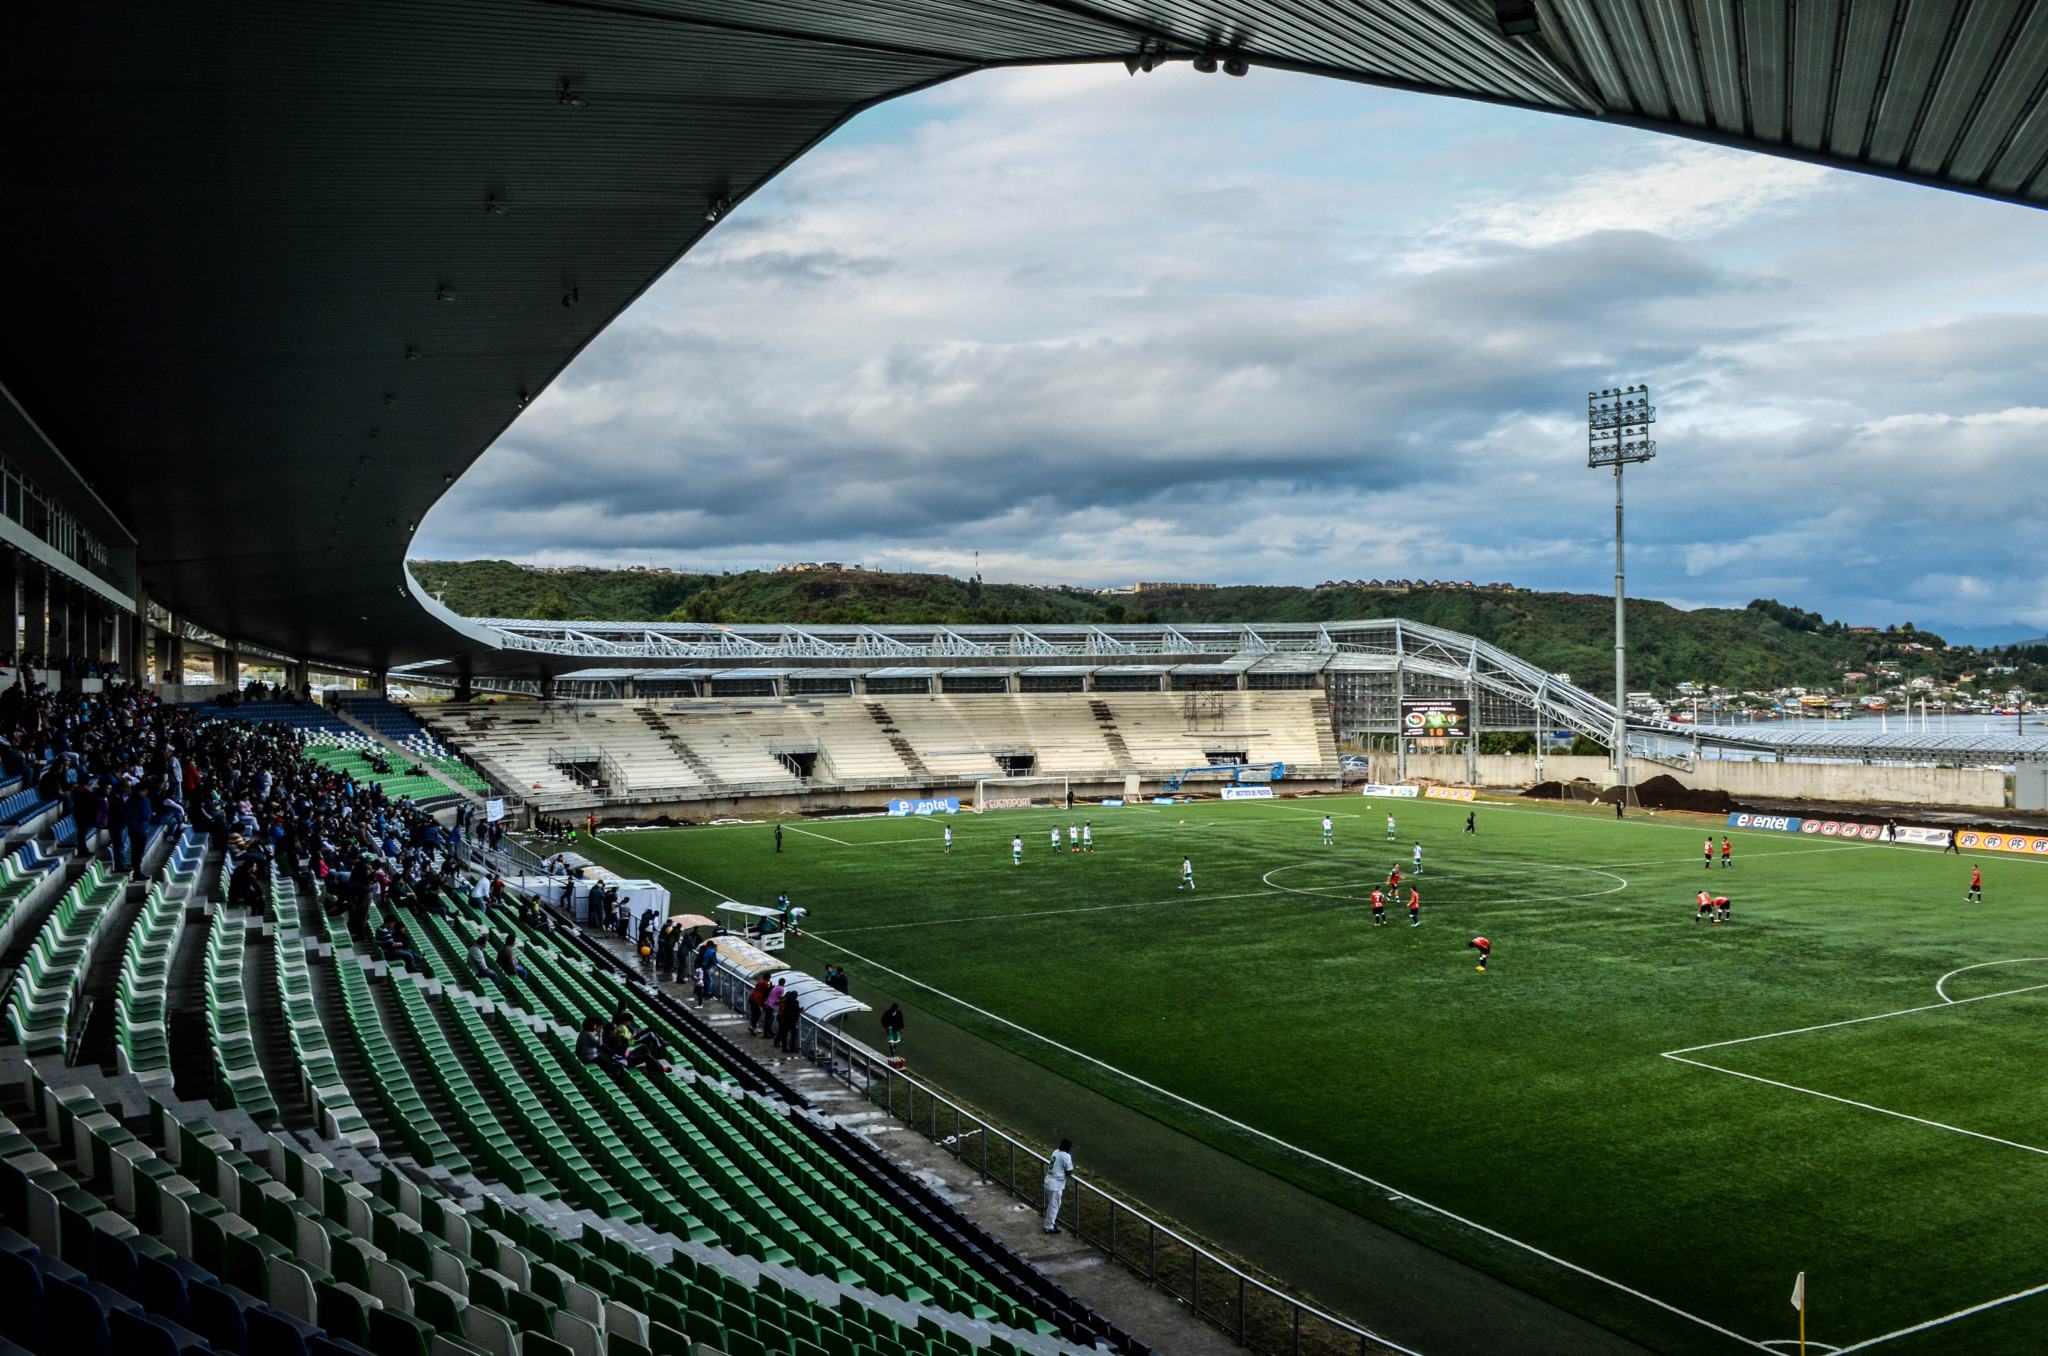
x,y
1764,644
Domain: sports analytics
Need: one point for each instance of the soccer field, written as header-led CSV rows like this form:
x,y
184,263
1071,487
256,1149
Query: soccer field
x,y
1651,1122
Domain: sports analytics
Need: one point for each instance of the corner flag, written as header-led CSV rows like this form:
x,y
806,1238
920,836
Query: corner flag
x,y
1799,1303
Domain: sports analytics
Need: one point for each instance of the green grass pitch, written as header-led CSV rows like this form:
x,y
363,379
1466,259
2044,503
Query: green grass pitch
x,y
1611,1093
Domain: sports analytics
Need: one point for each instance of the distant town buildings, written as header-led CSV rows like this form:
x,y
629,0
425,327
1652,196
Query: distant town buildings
x,y
1408,585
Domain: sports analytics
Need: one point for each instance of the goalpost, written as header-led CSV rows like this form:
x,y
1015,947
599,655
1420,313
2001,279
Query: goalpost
x,y
1019,793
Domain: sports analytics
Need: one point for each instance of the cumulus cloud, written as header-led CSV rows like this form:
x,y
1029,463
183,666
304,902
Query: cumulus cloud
x,y
1273,330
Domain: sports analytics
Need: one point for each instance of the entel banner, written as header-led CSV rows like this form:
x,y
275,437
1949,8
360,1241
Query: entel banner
x,y
1380,789
1449,792
2002,842
1913,833
1842,828
941,805
1247,793
1780,823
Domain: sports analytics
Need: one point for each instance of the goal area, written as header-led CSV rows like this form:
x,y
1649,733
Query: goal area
x,y
1019,793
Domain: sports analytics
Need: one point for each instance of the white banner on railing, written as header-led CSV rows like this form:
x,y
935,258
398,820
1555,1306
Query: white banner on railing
x,y
1381,789
494,809
1247,793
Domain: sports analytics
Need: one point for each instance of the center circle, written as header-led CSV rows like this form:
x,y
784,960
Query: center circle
x,y
1359,896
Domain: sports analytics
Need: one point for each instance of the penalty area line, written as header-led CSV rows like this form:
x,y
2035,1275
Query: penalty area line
x,y
1869,1342
1861,1106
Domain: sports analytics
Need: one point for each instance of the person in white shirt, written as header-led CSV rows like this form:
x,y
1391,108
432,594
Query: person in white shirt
x,y
1418,859
1017,850
1073,837
1057,1169
949,840
1329,835
1390,828
1055,838
1088,837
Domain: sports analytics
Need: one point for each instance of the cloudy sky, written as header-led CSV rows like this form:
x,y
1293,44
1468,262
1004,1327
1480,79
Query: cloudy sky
x,y
1278,329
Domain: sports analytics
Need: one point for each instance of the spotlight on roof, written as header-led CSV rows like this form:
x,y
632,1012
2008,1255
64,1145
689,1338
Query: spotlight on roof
x,y
1206,63
720,205
572,296
391,397
523,398
1517,18
568,96
1237,66
444,293
412,355
494,205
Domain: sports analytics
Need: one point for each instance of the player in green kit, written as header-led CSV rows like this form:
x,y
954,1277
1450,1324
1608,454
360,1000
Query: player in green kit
x,y
1187,875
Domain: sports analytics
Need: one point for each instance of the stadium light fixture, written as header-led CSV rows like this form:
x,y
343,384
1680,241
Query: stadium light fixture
x,y
495,205
444,293
568,96
1237,66
720,205
1618,423
1206,63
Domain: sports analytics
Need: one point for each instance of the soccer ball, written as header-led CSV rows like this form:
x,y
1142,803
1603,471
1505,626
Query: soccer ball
x,y
646,951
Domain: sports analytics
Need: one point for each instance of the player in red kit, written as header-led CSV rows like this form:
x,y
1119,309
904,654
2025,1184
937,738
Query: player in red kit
x,y
1483,947
1414,907
1706,903
1976,895
1379,909
1707,854
1727,852
1724,911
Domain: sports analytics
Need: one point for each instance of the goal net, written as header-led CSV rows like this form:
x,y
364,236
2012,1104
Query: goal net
x,y
1019,793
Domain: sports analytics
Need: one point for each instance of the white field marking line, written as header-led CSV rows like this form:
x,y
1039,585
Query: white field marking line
x,y
1821,1347
1850,1021
812,833
1048,913
1862,1106
1296,1149
1870,1342
1939,984
1257,1133
1337,892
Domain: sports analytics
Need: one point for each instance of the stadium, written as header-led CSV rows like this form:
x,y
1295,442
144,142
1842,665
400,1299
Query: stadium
x,y
383,978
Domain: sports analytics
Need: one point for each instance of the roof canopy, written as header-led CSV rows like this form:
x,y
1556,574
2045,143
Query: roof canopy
x,y
287,270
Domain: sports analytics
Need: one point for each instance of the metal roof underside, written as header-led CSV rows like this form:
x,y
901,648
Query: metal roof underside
x,y
259,302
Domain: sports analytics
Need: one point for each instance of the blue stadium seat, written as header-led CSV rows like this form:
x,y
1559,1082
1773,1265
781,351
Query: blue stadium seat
x,y
21,1299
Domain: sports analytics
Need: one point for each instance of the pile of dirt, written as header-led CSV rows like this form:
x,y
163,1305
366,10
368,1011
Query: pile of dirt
x,y
1667,793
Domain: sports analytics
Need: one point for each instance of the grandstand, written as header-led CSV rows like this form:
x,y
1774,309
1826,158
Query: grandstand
x,y
233,1124
831,751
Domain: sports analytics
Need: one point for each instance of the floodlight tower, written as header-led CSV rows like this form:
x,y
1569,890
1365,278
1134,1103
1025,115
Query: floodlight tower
x,y
1617,433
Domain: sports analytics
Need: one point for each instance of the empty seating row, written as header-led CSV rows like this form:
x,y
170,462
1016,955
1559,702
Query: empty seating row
x,y
238,1079
423,1134
142,1045
46,988
320,1077
24,874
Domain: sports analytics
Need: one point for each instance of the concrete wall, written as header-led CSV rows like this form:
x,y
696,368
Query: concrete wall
x,y
1841,782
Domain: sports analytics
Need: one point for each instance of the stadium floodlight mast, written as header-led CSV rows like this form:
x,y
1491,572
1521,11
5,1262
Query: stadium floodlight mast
x,y
1618,432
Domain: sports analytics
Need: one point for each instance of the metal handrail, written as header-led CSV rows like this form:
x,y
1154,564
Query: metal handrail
x,y
1250,1311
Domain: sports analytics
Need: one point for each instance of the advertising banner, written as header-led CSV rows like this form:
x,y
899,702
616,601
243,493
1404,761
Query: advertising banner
x,y
939,805
1247,793
1842,828
1381,789
1110,804
1777,823
1972,840
1436,717
1164,800
494,809
1449,792
993,803
1914,833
